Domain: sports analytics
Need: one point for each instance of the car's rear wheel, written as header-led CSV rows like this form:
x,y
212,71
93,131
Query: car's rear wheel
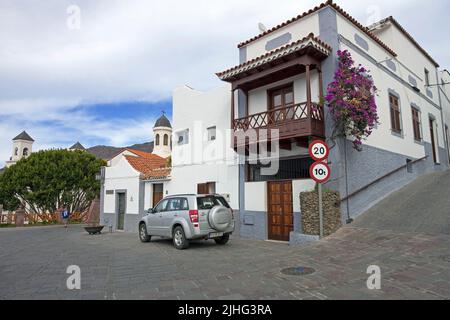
x,y
143,235
223,240
179,239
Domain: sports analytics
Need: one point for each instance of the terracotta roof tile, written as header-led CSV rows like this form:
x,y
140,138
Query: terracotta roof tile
x,y
150,167
323,5
143,154
314,41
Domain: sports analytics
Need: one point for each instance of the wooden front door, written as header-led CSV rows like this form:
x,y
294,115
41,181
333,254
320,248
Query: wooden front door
x,y
158,193
433,144
280,215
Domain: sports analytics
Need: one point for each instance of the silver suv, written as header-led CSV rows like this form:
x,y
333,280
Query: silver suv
x,y
189,217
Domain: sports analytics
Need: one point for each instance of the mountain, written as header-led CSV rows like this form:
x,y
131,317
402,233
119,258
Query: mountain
x,y
108,152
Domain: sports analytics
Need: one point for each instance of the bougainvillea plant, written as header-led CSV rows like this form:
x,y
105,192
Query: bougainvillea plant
x,y
351,100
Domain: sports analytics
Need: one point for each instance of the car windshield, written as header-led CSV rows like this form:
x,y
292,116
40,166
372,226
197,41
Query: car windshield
x,y
209,202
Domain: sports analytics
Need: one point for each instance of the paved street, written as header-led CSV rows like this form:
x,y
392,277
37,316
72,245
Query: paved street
x,y
33,265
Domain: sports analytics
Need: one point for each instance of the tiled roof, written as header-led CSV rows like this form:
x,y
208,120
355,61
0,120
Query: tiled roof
x,y
143,154
407,34
153,167
24,136
163,122
309,41
105,152
77,146
323,5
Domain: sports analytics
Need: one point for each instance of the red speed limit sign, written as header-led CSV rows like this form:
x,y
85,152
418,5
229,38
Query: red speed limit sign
x,y
320,172
319,150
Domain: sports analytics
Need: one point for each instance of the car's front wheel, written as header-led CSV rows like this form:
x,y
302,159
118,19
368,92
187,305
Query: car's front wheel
x,y
223,240
179,239
143,235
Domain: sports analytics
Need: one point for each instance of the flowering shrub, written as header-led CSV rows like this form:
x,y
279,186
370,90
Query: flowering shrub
x,y
351,99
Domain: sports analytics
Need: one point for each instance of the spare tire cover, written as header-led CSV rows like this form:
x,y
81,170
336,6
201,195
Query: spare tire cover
x,y
220,218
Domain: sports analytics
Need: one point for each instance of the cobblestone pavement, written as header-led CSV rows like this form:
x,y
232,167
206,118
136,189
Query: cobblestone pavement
x,y
33,264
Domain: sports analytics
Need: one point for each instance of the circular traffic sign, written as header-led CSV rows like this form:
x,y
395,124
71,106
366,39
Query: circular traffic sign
x,y
320,172
319,150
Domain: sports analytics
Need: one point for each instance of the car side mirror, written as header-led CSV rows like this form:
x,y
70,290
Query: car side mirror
x,y
150,211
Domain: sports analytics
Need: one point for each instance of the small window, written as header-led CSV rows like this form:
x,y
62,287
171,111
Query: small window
x,y
427,77
16,152
211,134
207,203
206,188
161,207
177,204
25,152
183,137
396,123
157,139
166,140
416,124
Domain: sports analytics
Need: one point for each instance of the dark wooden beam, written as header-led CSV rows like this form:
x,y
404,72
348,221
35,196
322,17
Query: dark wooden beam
x,y
302,60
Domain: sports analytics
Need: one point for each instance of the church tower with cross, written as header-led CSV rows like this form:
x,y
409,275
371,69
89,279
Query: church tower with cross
x,y
163,137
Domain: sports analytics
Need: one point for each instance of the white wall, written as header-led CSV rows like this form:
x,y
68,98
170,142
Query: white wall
x,y
257,98
122,177
203,161
114,161
382,137
162,150
298,30
411,57
256,194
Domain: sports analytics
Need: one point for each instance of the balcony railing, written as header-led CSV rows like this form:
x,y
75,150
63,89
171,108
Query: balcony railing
x,y
298,120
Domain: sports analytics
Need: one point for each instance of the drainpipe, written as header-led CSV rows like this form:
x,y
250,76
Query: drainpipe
x,y
442,116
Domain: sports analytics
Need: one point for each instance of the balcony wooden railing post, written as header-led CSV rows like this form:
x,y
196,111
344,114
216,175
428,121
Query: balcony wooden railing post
x,y
308,93
321,93
233,127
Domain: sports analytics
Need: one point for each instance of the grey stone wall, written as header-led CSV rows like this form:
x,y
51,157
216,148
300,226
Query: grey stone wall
x,y
373,163
253,225
130,223
309,202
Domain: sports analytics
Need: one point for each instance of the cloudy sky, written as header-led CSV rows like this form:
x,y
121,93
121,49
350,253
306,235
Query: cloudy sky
x,y
102,71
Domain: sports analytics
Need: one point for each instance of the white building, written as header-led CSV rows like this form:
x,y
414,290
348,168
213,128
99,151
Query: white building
x,y
278,84
135,181
202,158
22,148
284,72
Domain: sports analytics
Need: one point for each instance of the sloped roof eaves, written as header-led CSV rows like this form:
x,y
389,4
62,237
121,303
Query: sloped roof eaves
x,y
144,154
323,5
158,174
408,35
310,40
147,166
24,136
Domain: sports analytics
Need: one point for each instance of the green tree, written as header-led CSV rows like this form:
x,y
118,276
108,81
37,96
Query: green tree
x,y
52,179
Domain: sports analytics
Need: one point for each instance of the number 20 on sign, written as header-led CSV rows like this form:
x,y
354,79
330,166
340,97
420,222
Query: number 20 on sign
x,y
319,171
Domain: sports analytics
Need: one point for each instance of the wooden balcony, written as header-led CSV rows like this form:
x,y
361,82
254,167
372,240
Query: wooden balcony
x,y
297,121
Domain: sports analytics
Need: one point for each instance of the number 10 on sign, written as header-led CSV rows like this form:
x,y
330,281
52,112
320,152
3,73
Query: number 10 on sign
x,y
320,172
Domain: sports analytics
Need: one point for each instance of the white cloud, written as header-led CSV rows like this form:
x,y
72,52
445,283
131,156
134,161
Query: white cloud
x,y
141,50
